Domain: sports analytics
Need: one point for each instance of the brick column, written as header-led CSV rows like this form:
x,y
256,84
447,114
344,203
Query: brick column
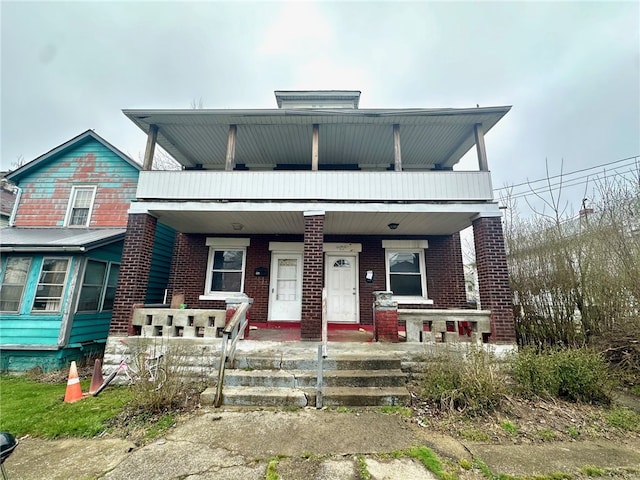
x,y
233,304
312,277
385,318
134,270
493,278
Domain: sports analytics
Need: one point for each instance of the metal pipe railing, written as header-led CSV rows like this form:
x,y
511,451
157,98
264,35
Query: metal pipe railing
x,y
232,331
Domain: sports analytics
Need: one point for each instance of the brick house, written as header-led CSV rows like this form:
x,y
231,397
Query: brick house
x,y
279,204
60,255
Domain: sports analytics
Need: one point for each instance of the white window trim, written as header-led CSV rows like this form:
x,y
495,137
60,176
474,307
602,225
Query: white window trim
x,y
62,293
72,200
215,244
409,246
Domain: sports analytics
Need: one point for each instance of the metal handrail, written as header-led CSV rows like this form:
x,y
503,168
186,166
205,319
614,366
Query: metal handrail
x,y
232,330
322,352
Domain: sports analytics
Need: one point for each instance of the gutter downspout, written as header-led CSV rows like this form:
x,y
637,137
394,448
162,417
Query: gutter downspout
x,y
14,210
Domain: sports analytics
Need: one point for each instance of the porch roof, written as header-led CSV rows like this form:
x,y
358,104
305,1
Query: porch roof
x,y
436,137
281,218
57,239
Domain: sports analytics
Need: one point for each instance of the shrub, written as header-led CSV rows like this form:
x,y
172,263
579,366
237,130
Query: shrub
x,y
575,374
471,383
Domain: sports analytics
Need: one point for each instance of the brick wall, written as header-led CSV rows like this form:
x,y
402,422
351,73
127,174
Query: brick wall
x,y
493,278
445,272
134,270
312,278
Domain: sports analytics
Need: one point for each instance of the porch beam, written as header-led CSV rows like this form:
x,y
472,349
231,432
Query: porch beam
x,y
152,137
230,161
315,139
478,132
397,156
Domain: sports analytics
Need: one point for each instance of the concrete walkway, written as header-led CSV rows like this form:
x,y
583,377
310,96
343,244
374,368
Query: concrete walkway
x,y
310,444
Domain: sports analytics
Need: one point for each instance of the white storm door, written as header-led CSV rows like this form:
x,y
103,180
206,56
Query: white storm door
x,y
285,294
342,295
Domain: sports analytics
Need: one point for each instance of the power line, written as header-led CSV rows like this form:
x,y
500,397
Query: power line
x,y
634,158
565,184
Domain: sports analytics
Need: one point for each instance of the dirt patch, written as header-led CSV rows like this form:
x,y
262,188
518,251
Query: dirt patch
x,y
521,421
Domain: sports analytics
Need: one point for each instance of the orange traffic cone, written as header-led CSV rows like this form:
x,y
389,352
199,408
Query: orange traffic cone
x,y
74,390
96,378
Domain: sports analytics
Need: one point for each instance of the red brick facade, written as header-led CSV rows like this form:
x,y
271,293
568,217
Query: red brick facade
x,y
134,270
493,278
443,258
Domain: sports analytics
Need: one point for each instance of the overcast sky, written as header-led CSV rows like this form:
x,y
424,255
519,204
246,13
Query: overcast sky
x,y
570,70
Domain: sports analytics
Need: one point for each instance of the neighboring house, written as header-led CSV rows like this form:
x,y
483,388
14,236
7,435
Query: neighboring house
x,y
279,204
60,258
7,200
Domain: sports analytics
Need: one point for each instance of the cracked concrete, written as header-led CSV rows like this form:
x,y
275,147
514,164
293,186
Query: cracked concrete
x,y
311,444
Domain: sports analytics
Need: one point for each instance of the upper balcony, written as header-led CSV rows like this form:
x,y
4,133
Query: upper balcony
x,y
319,186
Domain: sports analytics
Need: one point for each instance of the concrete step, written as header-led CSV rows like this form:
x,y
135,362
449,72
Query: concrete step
x,y
361,396
338,362
308,378
256,396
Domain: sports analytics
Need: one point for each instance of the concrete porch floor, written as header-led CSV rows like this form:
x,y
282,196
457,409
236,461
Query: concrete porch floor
x,y
290,332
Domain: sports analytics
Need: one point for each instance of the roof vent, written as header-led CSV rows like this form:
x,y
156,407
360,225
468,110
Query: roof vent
x,y
318,98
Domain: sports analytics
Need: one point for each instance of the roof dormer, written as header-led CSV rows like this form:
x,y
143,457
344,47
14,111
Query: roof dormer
x,y
317,98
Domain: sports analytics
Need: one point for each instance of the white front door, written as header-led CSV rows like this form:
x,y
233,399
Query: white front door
x,y
341,284
285,290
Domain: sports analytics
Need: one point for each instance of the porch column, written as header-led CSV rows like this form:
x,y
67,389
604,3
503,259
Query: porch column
x,y
315,141
230,160
493,278
152,137
312,276
134,270
397,155
481,151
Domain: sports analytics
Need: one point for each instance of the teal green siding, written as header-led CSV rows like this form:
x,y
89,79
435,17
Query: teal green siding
x,y
94,326
160,263
23,360
27,327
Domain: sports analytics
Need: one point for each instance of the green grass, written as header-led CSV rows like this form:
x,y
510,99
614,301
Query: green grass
x,y
510,427
272,468
430,460
363,471
162,425
474,435
624,419
38,409
397,409
591,471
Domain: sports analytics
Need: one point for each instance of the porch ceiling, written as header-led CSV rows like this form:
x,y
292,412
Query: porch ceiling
x,y
266,138
336,223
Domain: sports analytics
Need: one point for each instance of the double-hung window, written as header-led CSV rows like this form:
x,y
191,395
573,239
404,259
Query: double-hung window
x,y
51,283
226,266
14,278
405,269
80,206
98,286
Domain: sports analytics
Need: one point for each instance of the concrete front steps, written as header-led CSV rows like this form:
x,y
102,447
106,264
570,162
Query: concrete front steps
x,y
348,381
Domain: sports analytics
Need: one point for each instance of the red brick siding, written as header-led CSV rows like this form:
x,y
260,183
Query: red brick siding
x,y
312,278
134,270
493,278
445,272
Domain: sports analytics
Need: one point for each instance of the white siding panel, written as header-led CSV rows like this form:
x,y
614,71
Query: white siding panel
x,y
330,186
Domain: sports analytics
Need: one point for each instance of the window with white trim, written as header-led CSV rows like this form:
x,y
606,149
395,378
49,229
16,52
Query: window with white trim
x,y
405,268
226,266
98,286
14,278
80,206
51,283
